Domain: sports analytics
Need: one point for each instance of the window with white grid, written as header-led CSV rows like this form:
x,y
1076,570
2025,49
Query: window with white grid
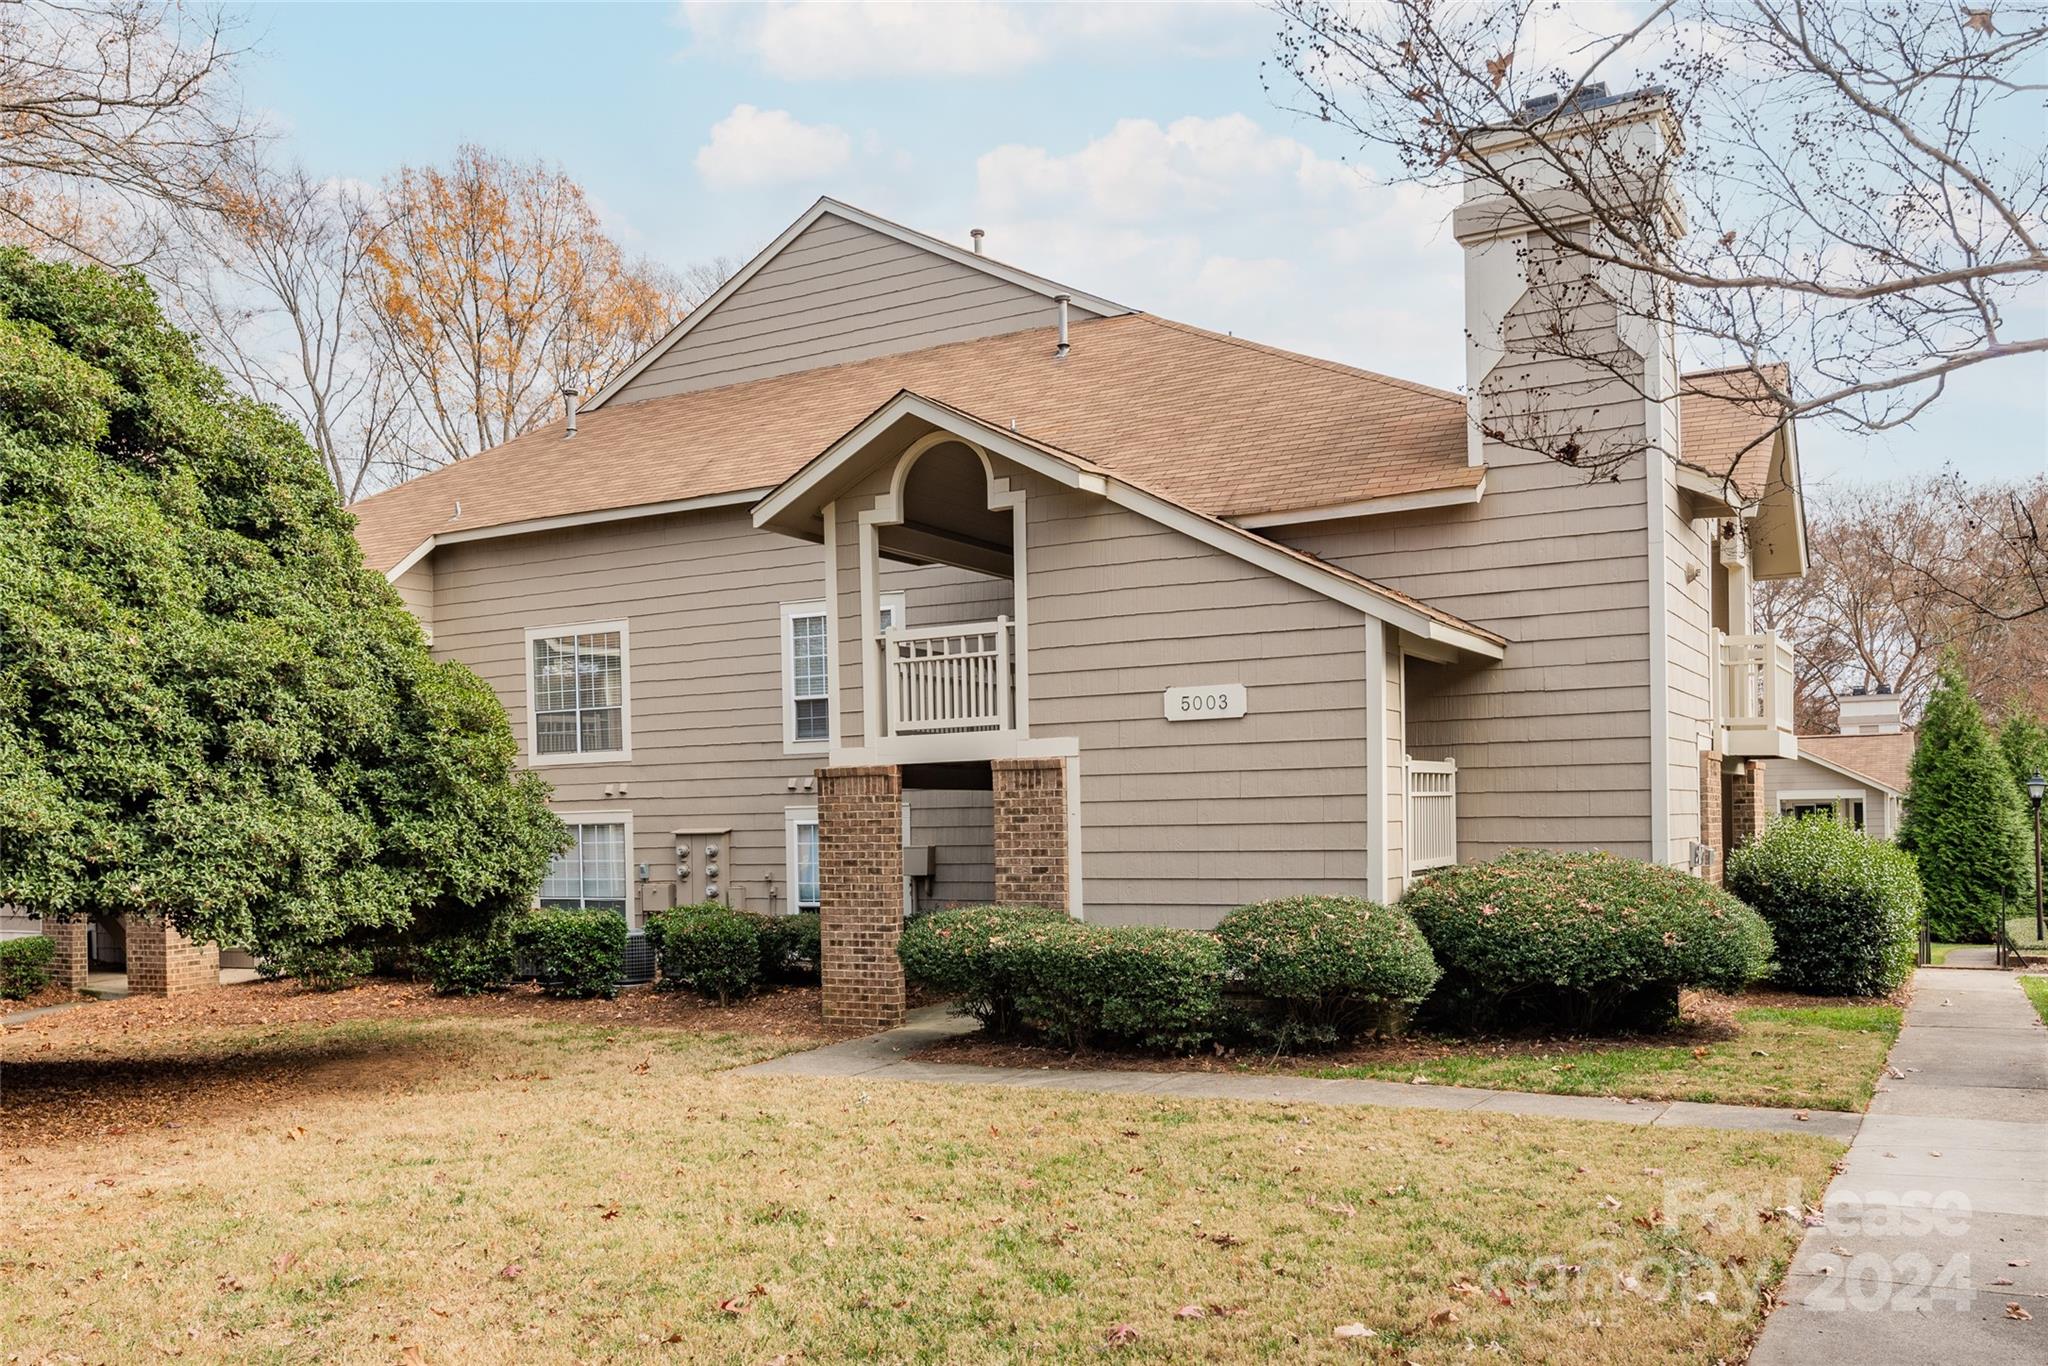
x,y
807,671
592,871
577,692
801,827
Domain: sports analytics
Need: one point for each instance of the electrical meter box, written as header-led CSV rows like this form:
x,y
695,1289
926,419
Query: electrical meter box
x,y
701,864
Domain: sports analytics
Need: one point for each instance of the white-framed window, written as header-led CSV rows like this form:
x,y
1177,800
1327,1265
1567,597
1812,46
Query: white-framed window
x,y
596,871
807,673
1843,806
800,829
578,693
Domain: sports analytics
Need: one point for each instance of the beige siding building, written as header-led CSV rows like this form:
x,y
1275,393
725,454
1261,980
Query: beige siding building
x,y
1088,608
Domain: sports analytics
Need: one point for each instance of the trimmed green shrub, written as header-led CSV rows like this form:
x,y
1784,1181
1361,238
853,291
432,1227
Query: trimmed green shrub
x,y
319,967
1141,985
25,966
2024,742
1844,909
709,948
467,964
1329,967
1581,941
955,954
574,953
1965,820
791,947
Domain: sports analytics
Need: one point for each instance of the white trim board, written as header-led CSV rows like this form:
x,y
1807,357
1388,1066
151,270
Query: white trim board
x,y
825,206
1370,507
1077,473
735,498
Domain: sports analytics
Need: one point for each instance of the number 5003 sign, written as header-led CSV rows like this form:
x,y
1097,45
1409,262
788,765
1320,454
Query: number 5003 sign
x,y
1210,702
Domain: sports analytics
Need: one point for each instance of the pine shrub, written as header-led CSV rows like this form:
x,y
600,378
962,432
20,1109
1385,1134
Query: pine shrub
x,y
1965,820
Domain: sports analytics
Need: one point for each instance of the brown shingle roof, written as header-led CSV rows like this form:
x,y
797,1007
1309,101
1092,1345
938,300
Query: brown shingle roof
x,y
1727,422
1222,426
1885,759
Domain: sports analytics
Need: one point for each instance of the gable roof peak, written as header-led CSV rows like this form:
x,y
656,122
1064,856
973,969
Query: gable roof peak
x,y
828,206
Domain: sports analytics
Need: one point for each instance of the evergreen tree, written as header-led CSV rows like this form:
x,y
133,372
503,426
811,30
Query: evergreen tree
x,y
1964,819
2025,742
211,711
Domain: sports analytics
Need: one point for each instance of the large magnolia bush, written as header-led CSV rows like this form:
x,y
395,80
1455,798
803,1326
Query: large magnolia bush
x,y
1844,908
1580,941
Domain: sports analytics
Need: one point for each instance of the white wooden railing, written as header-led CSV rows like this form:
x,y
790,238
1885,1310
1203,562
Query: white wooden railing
x,y
1432,813
944,680
1753,696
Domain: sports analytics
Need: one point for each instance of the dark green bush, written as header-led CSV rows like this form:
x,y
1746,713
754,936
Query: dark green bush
x,y
25,966
791,946
1580,941
1327,967
1844,909
467,964
319,967
1965,820
954,953
1141,985
709,948
574,953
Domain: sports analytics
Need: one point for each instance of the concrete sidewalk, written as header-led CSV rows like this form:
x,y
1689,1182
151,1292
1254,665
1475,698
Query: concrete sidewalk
x,y
1939,1220
887,1057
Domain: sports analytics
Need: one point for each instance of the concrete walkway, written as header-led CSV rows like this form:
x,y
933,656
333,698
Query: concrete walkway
x,y
1939,1220
886,1057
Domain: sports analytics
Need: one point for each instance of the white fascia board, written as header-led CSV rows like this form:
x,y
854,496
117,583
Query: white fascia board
x,y
1370,507
412,557
1023,279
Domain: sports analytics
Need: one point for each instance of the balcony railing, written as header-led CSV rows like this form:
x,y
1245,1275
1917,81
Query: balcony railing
x,y
1753,697
1432,813
949,680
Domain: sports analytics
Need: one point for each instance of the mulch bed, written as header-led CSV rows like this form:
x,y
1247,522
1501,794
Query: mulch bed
x,y
779,1012
52,995
1707,1017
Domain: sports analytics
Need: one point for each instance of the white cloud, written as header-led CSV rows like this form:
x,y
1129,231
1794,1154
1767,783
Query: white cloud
x,y
753,147
797,41
1227,224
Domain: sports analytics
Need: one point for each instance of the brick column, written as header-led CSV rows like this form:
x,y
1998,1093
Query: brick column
x,y
1711,833
860,894
1030,832
1746,814
68,965
162,962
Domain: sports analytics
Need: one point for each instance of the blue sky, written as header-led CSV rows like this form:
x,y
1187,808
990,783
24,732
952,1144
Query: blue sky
x,y
1127,150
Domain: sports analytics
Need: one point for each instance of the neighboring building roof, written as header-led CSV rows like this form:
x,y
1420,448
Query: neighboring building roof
x,y
1728,424
1220,426
1885,760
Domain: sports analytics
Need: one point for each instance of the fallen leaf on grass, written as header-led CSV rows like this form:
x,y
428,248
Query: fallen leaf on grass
x,y
1191,1311
511,1271
734,1304
1353,1330
283,1262
1121,1334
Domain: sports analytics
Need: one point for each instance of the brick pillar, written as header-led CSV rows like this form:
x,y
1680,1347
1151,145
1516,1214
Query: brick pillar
x,y
68,965
1746,814
162,962
860,894
1030,832
1711,832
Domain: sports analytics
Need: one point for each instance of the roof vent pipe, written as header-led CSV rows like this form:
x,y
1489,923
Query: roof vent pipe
x,y
569,403
1062,300
977,234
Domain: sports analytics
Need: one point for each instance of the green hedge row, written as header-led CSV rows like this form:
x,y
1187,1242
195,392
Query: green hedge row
x,y
716,951
25,966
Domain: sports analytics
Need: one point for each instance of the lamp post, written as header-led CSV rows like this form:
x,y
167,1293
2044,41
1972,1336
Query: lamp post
x,y
2037,787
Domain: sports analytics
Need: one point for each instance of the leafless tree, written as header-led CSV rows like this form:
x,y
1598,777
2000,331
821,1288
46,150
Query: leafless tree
x,y
271,280
1863,186
109,110
1868,612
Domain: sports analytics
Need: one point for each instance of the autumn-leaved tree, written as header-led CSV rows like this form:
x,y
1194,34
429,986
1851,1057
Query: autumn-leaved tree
x,y
494,285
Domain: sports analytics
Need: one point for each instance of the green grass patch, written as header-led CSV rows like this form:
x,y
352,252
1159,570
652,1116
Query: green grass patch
x,y
1803,1057
1937,954
2037,992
